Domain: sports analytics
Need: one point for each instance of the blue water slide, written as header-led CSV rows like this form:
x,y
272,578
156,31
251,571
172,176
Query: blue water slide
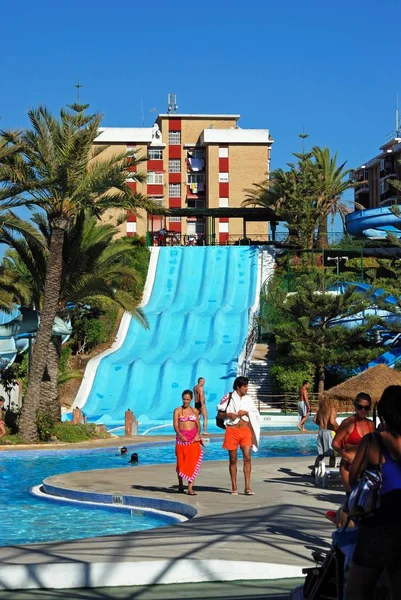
x,y
198,317
374,223
390,316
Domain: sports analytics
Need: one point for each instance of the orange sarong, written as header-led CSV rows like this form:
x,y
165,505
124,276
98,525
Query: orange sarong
x,y
189,455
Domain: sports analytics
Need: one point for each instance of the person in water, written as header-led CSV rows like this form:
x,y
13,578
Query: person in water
x,y
123,450
188,448
378,546
134,458
350,434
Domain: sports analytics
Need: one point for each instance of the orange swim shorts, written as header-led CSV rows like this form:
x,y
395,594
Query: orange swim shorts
x,y
237,436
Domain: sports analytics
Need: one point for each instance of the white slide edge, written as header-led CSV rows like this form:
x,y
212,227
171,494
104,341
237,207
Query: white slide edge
x,y
91,367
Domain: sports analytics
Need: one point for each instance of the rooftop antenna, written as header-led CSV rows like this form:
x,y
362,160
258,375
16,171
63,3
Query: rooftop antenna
x,y
78,86
303,137
172,103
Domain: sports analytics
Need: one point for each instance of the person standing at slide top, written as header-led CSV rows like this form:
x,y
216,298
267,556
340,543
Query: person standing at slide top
x,y
188,448
200,402
242,421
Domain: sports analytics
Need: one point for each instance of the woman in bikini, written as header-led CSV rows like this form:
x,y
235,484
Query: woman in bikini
x,y
350,434
188,449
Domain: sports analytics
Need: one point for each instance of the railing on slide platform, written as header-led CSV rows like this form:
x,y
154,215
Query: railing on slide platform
x,y
283,403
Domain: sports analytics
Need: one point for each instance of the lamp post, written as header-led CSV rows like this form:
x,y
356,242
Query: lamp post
x,y
337,261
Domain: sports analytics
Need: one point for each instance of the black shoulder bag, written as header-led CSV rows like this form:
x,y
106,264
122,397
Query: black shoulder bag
x,y
220,420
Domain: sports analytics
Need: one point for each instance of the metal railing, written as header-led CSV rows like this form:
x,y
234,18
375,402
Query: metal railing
x,y
283,403
175,238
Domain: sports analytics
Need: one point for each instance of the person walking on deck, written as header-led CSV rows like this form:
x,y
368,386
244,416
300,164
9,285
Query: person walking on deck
x,y
303,405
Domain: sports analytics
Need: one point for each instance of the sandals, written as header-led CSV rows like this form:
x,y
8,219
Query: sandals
x,y
192,493
234,492
249,492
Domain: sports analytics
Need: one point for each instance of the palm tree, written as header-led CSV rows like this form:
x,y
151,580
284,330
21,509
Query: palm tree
x,y
290,195
60,169
332,180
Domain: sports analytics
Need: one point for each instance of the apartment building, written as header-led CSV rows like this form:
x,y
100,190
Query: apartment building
x,y
194,162
373,188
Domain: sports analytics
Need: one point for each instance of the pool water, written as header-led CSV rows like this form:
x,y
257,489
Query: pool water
x,y
26,519
167,428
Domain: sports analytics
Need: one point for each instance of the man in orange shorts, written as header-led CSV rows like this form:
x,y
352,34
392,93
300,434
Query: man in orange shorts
x,y
241,418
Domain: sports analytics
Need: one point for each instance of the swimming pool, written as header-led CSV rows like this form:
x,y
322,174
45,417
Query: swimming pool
x,y
26,519
159,428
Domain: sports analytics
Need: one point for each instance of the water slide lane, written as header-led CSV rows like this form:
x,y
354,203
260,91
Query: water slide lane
x,y
373,223
198,317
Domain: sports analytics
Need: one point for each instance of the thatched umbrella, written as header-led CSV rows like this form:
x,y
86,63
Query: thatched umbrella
x,y
373,381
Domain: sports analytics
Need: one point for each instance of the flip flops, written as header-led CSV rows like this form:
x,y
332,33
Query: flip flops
x,y
249,492
234,493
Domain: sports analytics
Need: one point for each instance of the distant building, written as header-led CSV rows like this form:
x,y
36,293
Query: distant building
x,y
374,189
195,162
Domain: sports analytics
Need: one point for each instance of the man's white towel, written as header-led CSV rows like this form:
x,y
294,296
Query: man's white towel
x,y
238,403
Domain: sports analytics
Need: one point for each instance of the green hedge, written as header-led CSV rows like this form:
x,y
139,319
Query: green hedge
x,y
288,380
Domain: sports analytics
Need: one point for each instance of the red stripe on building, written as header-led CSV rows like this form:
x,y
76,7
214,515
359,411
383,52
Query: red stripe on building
x,y
223,165
174,177
224,220
131,218
224,190
174,152
132,185
174,124
155,165
223,238
174,202
155,190
175,227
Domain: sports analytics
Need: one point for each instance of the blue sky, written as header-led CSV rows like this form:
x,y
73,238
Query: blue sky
x,y
330,69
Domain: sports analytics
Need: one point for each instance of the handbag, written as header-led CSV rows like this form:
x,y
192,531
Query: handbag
x,y
220,420
365,496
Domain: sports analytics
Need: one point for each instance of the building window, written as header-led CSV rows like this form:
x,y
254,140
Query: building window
x,y
381,164
196,153
174,165
223,202
131,227
155,154
196,178
223,152
158,200
174,138
196,203
155,178
223,227
223,177
174,190
174,219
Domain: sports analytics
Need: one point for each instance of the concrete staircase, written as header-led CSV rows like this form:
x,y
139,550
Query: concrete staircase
x,y
258,373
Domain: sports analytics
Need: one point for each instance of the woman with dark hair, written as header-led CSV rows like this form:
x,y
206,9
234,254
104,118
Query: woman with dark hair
x,y
350,434
188,448
379,539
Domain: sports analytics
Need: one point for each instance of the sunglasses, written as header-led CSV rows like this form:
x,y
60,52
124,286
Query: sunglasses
x,y
362,407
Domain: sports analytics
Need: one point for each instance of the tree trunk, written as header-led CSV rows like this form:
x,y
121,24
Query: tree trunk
x,y
51,294
322,235
49,394
321,377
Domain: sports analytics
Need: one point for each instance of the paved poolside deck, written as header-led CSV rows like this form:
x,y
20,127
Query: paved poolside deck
x,y
265,536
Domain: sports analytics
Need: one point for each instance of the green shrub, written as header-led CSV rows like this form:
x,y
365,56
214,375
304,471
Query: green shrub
x,y
68,433
45,426
287,380
11,440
